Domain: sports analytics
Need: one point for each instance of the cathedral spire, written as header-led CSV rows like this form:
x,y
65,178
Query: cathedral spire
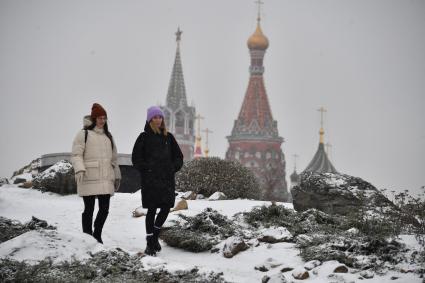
x,y
320,162
255,140
179,117
176,95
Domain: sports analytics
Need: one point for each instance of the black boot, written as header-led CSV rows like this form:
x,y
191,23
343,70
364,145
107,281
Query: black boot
x,y
156,245
98,235
87,223
150,246
98,225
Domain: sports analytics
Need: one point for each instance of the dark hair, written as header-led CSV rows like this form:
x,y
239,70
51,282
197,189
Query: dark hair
x,y
105,128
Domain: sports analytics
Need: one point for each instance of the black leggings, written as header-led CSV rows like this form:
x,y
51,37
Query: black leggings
x,y
158,222
102,214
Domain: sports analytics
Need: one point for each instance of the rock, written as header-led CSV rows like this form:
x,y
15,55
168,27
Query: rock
x,y
217,196
275,278
367,274
337,278
19,181
181,205
275,235
10,229
4,181
26,185
336,193
189,195
312,264
27,171
341,269
261,268
59,178
139,211
300,274
200,196
253,242
268,264
233,245
286,269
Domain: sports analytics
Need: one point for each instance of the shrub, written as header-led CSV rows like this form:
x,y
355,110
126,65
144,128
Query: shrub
x,y
209,175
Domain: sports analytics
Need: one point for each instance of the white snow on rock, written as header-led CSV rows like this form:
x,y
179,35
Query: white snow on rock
x,y
335,180
188,195
275,234
300,273
276,278
200,196
217,196
37,245
233,245
25,176
367,274
59,167
312,264
268,264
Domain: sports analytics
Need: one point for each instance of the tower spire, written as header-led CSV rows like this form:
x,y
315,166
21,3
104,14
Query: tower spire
x,y
320,162
176,95
255,141
198,149
322,131
179,117
207,132
178,36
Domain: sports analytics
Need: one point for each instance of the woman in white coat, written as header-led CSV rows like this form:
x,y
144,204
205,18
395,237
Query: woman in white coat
x,y
94,158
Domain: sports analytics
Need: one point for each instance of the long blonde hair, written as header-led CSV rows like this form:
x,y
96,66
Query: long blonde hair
x,y
157,130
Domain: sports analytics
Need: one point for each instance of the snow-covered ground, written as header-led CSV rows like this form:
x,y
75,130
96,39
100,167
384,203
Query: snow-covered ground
x,y
128,233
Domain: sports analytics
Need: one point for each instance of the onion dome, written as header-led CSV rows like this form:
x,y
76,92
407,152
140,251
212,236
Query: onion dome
x,y
258,40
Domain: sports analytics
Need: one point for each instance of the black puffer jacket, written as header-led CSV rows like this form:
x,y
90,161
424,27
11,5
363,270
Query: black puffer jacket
x,y
157,158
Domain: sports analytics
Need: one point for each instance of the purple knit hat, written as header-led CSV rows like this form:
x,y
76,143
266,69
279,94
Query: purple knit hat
x,y
154,111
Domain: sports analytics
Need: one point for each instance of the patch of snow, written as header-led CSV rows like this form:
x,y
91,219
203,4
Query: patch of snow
x,y
151,262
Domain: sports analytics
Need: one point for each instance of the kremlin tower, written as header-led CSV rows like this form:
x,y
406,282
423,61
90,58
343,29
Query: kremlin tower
x,y
320,162
255,141
180,117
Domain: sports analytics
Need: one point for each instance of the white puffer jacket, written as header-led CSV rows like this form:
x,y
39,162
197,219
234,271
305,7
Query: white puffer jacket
x,y
97,159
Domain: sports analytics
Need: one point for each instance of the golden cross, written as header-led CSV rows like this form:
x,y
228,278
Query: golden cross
x,y
259,2
321,110
199,118
206,131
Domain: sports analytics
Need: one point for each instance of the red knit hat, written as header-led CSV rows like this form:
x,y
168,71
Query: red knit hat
x,y
97,110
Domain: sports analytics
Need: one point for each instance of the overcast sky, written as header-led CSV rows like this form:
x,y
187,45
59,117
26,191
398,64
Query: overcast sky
x,y
363,60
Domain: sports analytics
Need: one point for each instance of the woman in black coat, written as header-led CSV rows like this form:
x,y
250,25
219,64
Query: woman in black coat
x,y
157,157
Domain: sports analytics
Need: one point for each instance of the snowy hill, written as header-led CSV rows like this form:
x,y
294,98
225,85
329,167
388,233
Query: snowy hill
x,y
122,231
